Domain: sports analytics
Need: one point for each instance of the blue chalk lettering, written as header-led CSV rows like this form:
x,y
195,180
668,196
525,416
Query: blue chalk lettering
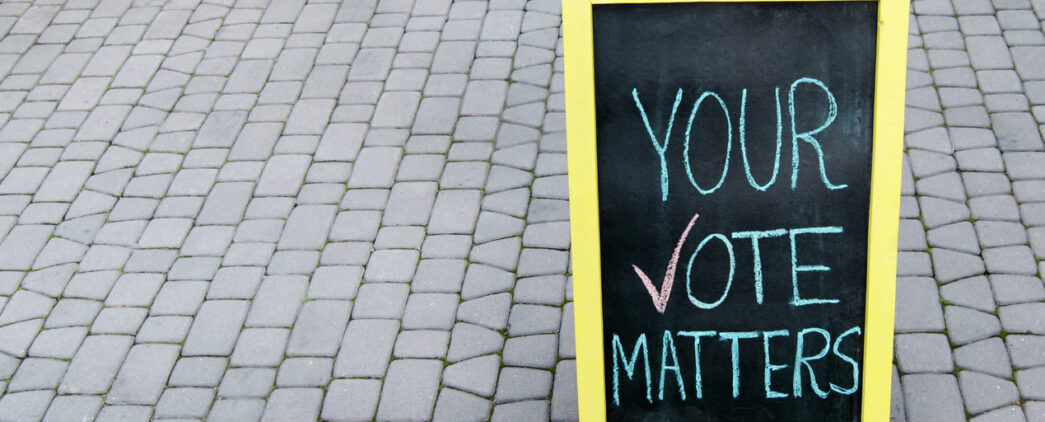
x,y
808,136
743,145
801,359
696,356
754,236
770,367
689,272
796,298
669,343
629,367
661,149
735,353
850,361
729,142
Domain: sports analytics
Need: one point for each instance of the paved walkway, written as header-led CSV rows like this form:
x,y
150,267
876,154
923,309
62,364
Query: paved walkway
x,y
970,323
236,210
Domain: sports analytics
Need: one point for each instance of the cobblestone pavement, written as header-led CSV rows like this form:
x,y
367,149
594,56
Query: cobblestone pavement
x,y
970,319
357,210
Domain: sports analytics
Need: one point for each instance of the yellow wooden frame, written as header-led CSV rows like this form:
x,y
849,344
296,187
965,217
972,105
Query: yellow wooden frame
x,y
890,71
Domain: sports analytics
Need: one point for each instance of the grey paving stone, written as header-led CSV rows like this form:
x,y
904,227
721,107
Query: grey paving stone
x,y
351,400
453,57
483,97
288,403
983,392
197,372
917,305
71,407
476,375
538,351
516,384
988,356
455,212
1025,350
396,265
184,403
304,372
346,253
950,265
25,305
988,52
933,397
58,343
502,253
247,383
410,389
1009,289
1016,132
37,374
937,212
966,325
215,328
1030,383
236,410
307,227
1033,410
95,365
380,300
464,175
334,282
318,328
545,210
543,290
400,237
981,159
396,109
548,235
260,347
972,292
1033,214
119,321
422,344
1000,233
1028,61
481,280
375,168
923,353
533,319
1023,318
469,340
957,236
430,311
277,301
143,375
455,405
1007,413
294,262
439,275
341,142
945,185
125,413
535,261
1023,165
1010,259
488,311
22,244
366,348
28,404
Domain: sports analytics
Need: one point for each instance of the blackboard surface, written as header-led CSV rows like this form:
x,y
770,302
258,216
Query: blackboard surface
x,y
806,54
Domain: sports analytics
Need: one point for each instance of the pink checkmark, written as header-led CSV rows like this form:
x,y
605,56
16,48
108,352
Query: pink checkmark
x,y
660,299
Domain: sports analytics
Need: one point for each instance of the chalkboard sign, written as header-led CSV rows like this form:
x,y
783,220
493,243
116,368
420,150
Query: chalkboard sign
x,y
734,183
